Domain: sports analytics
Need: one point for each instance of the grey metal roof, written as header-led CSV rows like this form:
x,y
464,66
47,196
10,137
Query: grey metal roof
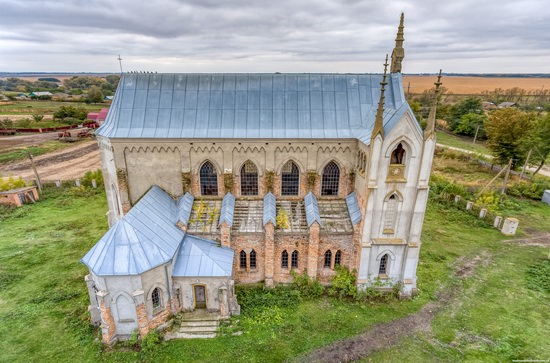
x,y
200,257
144,238
353,208
270,209
185,205
312,209
255,106
227,210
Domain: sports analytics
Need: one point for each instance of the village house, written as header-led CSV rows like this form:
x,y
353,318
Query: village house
x,y
217,179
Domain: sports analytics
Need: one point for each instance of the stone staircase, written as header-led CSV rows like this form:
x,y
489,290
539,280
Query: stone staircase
x,y
195,325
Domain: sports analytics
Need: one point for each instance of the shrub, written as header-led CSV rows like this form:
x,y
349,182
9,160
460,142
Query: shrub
x,y
11,183
532,190
150,341
441,187
282,219
37,118
308,287
343,283
91,175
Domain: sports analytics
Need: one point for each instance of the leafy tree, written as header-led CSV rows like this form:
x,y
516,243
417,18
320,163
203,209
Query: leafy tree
x,y
63,112
466,106
95,95
468,124
37,118
509,134
541,142
82,83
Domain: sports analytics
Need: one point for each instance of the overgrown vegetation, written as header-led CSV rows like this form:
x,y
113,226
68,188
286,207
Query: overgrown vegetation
x,y
11,183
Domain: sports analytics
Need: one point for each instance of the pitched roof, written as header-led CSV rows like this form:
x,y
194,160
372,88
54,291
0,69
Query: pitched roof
x,y
185,205
353,208
144,238
228,209
200,257
270,209
251,106
312,209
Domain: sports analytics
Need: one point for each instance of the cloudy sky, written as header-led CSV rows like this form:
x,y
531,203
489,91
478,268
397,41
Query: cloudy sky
x,y
273,36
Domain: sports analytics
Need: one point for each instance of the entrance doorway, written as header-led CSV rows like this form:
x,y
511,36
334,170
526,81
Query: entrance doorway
x,y
200,296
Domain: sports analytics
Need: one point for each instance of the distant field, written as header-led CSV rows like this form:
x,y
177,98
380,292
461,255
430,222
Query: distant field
x,y
59,76
473,85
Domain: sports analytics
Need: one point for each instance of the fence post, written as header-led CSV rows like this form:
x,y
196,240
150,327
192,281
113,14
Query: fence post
x,y
482,213
58,183
469,205
457,198
77,182
94,183
498,220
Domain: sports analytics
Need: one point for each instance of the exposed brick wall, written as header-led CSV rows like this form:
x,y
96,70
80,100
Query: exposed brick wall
x,y
225,235
108,324
334,243
269,253
247,242
289,242
143,322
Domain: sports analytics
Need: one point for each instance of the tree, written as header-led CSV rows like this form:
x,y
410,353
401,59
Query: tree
x,y
468,124
70,111
541,142
509,134
466,106
95,95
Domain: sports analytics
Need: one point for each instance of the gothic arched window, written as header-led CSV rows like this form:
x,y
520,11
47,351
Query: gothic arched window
x,y
383,265
398,155
328,258
252,259
242,259
338,258
290,179
209,179
155,298
249,179
331,179
295,259
284,259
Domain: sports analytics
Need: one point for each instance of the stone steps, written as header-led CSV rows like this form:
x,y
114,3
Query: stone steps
x,y
196,325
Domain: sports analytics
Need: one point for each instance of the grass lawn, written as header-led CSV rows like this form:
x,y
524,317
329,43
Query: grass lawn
x,y
22,153
43,298
461,142
43,107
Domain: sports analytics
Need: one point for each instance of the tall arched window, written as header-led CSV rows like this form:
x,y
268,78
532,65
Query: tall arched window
x,y
295,259
290,179
249,179
155,298
338,258
390,215
383,265
331,179
252,259
398,155
328,258
242,259
209,179
284,259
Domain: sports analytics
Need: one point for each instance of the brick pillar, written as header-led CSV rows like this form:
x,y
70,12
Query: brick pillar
x,y
269,252
141,313
93,308
225,235
313,250
108,328
124,190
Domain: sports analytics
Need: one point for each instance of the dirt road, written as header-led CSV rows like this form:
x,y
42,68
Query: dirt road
x,y
12,142
66,164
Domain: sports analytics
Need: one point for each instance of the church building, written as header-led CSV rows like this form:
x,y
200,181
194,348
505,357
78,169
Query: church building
x,y
218,179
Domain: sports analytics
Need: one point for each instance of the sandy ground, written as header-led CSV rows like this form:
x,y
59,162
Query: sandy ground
x,y
473,85
12,142
66,164
22,117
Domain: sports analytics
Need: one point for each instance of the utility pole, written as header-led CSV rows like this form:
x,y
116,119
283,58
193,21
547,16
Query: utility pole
x,y
475,138
525,165
505,185
38,184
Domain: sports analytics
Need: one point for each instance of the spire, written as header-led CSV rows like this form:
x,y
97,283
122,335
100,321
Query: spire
x,y
430,126
398,52
379,120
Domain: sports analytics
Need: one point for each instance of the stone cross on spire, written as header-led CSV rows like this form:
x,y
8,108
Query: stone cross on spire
x,y
430,126
379,120
398,52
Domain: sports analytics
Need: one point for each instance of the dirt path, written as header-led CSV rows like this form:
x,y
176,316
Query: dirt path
x,y
385,335
66,164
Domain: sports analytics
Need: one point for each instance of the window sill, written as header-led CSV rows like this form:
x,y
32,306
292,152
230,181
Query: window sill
x,y
388,231
383,277
126,321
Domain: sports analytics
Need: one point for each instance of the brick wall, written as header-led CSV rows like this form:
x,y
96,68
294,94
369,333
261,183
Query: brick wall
x,y
248,242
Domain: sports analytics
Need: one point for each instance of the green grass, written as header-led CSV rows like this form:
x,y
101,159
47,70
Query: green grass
x,y
11,155
43,297
43,107
461,143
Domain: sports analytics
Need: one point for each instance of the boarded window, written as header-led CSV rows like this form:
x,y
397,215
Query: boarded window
x,y
295,259
383,265
328,257
252,259
391,214
209,179
242,262
284,259
398,155
290,179
249,179
331,179
338,258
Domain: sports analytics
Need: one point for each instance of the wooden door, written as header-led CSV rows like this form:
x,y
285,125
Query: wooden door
x,y
200,297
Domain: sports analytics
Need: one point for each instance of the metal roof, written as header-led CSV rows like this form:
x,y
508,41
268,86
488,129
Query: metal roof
x,y
200,257
353,208
312,209
270,209
334,106
144,238
227,210
185,205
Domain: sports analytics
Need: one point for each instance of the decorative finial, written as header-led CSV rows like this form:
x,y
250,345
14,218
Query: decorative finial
x,y
429,132
398,53
378,128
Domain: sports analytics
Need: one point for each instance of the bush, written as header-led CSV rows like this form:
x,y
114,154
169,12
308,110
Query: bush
x,y
11,183
308,287
343,283
532,190
150,341
64,112
91,175
441,187
254,298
